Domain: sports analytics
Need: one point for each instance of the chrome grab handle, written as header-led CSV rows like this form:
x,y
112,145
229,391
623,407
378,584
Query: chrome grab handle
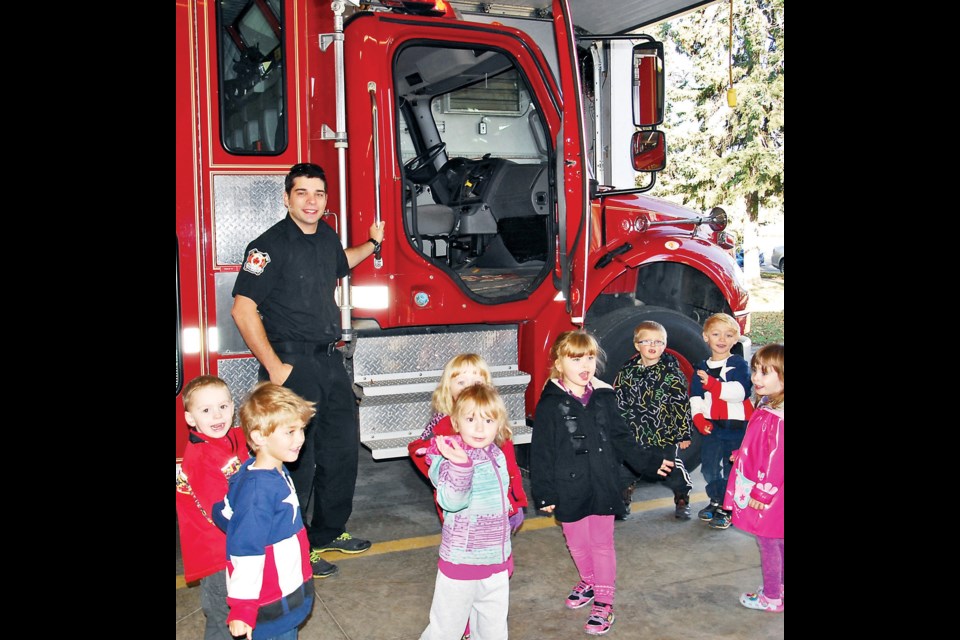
x,y
372,88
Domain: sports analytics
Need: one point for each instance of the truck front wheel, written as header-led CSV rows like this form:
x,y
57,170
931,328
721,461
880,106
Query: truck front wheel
x,y
614,332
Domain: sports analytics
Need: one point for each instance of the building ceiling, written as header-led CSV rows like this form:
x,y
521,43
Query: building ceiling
x,y
600,16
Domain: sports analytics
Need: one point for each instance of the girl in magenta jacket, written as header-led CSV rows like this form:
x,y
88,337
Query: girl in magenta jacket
x,y
755,488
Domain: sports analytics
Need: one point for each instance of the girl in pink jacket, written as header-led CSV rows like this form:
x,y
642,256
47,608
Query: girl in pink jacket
x,y
755,489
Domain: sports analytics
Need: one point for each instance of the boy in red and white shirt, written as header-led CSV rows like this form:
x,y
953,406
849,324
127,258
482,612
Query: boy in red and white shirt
x,y
721,407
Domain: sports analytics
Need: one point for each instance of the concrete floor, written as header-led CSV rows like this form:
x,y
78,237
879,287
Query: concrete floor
x,y
675,579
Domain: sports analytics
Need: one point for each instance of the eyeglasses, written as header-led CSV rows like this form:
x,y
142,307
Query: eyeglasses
x,y
648,343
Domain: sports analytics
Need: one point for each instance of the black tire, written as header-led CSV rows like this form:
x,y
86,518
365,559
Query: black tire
x,y
614,332
780,266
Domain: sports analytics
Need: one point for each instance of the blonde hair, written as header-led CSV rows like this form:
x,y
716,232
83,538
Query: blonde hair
x,y
721,318
270,406
573,344
486,401
442,399
202,382
767,358
649,325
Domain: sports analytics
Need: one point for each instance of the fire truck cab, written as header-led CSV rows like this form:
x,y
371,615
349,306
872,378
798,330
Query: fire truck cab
x,y
483,135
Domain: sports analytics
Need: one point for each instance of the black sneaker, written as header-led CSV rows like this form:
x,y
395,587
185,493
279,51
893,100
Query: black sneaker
x,y
345,543
683,507
706,514
322,568
721,519
627,496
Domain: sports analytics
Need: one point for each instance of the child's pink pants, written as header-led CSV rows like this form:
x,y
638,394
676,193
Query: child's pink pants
x,y
590,541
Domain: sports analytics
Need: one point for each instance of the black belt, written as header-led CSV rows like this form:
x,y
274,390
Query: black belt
x,y
285,604
307,348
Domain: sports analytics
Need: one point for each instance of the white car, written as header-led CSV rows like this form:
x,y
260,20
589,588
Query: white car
x,y
776,258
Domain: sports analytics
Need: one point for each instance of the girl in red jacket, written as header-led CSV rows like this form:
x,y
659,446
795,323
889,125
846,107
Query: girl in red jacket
x,y
462,371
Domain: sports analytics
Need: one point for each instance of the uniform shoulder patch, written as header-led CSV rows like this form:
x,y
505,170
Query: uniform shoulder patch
x,y
256,261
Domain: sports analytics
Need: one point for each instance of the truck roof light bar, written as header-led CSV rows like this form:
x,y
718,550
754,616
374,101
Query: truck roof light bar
x,y
421,7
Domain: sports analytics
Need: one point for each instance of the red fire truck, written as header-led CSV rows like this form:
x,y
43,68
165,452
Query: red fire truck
x,y
485,136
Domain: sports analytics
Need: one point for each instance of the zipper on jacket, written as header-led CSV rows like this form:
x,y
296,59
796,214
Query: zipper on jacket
x,y
506,530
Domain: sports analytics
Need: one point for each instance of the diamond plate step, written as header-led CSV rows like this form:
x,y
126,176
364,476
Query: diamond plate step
x,y
395,377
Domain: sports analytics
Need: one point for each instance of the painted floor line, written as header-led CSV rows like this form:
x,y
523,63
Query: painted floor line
x,y
421,542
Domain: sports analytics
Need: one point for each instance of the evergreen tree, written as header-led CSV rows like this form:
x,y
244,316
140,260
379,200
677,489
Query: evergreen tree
x,y
718,154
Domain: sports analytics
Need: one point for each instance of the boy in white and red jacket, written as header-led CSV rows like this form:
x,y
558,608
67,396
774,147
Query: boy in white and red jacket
x,y
720,403
269,577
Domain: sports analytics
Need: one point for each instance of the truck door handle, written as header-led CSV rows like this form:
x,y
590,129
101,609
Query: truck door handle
x,y
372,88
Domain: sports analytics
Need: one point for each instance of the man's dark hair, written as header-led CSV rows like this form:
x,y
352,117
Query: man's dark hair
x,y
304,170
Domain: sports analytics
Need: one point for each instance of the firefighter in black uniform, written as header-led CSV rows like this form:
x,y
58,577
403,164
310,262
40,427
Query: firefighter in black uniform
x,y
285,310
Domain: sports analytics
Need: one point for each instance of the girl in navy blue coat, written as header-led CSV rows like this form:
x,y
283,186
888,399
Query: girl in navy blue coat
x,y
579,441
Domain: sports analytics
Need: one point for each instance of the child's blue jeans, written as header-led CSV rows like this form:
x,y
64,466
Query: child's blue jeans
x,y
715,460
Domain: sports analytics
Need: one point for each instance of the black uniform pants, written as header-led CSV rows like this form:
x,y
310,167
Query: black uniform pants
x,y
327,467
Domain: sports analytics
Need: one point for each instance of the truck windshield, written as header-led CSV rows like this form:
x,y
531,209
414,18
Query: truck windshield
x,y
494,115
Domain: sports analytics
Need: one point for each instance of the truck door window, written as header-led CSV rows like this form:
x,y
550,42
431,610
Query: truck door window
x,y
482,202
252,97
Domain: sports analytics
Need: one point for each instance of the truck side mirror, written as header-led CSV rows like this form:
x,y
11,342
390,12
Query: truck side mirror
x,y
649,150
648,84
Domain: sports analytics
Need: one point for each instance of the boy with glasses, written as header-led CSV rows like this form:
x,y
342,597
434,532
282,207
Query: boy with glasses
x,y
652,398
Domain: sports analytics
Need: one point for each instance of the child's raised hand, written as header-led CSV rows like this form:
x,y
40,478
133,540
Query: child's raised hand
x,y
703,375
451,450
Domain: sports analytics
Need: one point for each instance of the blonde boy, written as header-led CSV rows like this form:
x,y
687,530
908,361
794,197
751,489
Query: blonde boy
x,y
269,578
719,400
652,398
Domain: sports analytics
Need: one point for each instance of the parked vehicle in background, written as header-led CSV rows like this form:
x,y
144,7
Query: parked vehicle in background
x,y
776,258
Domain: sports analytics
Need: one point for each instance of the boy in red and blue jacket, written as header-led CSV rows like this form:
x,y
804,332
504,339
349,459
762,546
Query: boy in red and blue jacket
x,y
269,577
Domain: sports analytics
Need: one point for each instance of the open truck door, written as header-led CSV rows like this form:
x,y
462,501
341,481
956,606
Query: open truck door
x,y
572,172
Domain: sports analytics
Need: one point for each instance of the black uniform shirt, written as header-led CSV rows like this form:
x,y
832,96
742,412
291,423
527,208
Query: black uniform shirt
x,y
292,277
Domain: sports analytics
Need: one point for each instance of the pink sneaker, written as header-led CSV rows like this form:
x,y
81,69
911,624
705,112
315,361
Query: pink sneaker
x,y
759,601
600,620
580,595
